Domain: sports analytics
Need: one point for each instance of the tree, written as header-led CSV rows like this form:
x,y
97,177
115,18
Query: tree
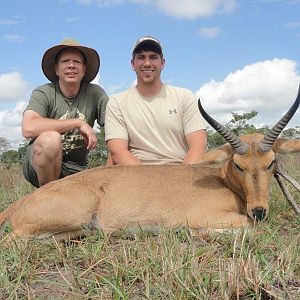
x,y
10,157
214,139
22,150
291,133
238,125
4,144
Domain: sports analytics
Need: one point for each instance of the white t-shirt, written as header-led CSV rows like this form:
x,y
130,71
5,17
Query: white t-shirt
x,y
155,127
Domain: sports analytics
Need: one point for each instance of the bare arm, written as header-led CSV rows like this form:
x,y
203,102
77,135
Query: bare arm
x,y
33,125
197,142
120,154
109,161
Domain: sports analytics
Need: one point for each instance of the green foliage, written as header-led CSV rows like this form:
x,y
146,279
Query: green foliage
x,y
98,156
291,133
22,150
239,124
10,157
214,139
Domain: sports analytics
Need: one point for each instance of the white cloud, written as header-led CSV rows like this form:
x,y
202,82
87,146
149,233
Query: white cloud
x,y
116,88
12,87
99,3
10,124
14,38
73,19
285,2
97,80
8,22
209,32
184,9
133,83
107,3
292,25
269,87
192,9
84,1
13,21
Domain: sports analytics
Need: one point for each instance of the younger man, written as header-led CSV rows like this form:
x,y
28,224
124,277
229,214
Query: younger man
x,y
153,122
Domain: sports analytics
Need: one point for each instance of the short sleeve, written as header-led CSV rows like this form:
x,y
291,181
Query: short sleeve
x,y
115,126
192,118
39,102
102,100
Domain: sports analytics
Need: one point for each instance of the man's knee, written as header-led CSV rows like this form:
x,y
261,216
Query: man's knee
x,y
48,143
49,139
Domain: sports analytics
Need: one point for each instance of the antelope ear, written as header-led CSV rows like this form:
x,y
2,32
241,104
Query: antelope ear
x,y
217,157
285,146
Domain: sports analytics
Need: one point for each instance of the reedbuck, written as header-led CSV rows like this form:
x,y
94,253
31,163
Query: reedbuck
x,y
232,194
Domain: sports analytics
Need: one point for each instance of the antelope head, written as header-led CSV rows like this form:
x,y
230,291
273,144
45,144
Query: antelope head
x,y
249,160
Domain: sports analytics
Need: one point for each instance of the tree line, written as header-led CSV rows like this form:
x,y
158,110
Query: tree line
x,y
239,124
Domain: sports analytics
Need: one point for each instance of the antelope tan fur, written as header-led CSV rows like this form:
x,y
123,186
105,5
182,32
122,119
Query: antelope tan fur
x,y
232,194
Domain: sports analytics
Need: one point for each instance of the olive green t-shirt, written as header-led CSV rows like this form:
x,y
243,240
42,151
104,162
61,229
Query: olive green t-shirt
x,y
89,105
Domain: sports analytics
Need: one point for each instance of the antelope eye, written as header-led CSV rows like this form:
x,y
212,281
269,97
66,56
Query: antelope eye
x,y
238,167
271,165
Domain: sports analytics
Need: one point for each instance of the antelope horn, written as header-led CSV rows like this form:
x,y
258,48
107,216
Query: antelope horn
x,y
269,139
240,147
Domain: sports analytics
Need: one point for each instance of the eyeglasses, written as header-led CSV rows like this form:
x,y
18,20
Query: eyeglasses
x,y
67,62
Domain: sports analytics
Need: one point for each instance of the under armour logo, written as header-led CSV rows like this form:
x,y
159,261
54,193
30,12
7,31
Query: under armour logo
x,y
172,111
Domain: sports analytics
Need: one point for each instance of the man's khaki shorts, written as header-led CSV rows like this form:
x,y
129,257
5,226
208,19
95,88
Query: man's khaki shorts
x,y
67,168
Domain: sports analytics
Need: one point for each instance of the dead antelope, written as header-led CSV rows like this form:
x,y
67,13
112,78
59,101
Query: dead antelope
x,y
231,195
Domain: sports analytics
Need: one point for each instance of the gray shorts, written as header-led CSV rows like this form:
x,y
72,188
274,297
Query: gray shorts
x,y
67,168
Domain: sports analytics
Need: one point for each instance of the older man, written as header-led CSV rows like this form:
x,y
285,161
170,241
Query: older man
x,y
60,115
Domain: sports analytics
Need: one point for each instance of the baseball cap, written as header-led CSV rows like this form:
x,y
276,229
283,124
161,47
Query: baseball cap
x,y
147,43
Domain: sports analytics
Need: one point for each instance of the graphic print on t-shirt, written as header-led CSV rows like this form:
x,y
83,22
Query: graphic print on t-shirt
x,y
72,139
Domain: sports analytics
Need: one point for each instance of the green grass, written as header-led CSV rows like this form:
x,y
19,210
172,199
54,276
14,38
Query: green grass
x,y
262,263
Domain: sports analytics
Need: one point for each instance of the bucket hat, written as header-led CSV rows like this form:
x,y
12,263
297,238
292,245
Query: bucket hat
x,y
91,57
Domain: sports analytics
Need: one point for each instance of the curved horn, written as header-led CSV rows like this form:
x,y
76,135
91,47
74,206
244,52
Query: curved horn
x,y
240,147
269,139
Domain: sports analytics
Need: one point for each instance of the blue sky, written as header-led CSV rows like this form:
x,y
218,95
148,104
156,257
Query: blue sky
x,y
236,55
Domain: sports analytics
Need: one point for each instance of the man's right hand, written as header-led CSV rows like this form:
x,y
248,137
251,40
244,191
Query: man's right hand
x,y
89,135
